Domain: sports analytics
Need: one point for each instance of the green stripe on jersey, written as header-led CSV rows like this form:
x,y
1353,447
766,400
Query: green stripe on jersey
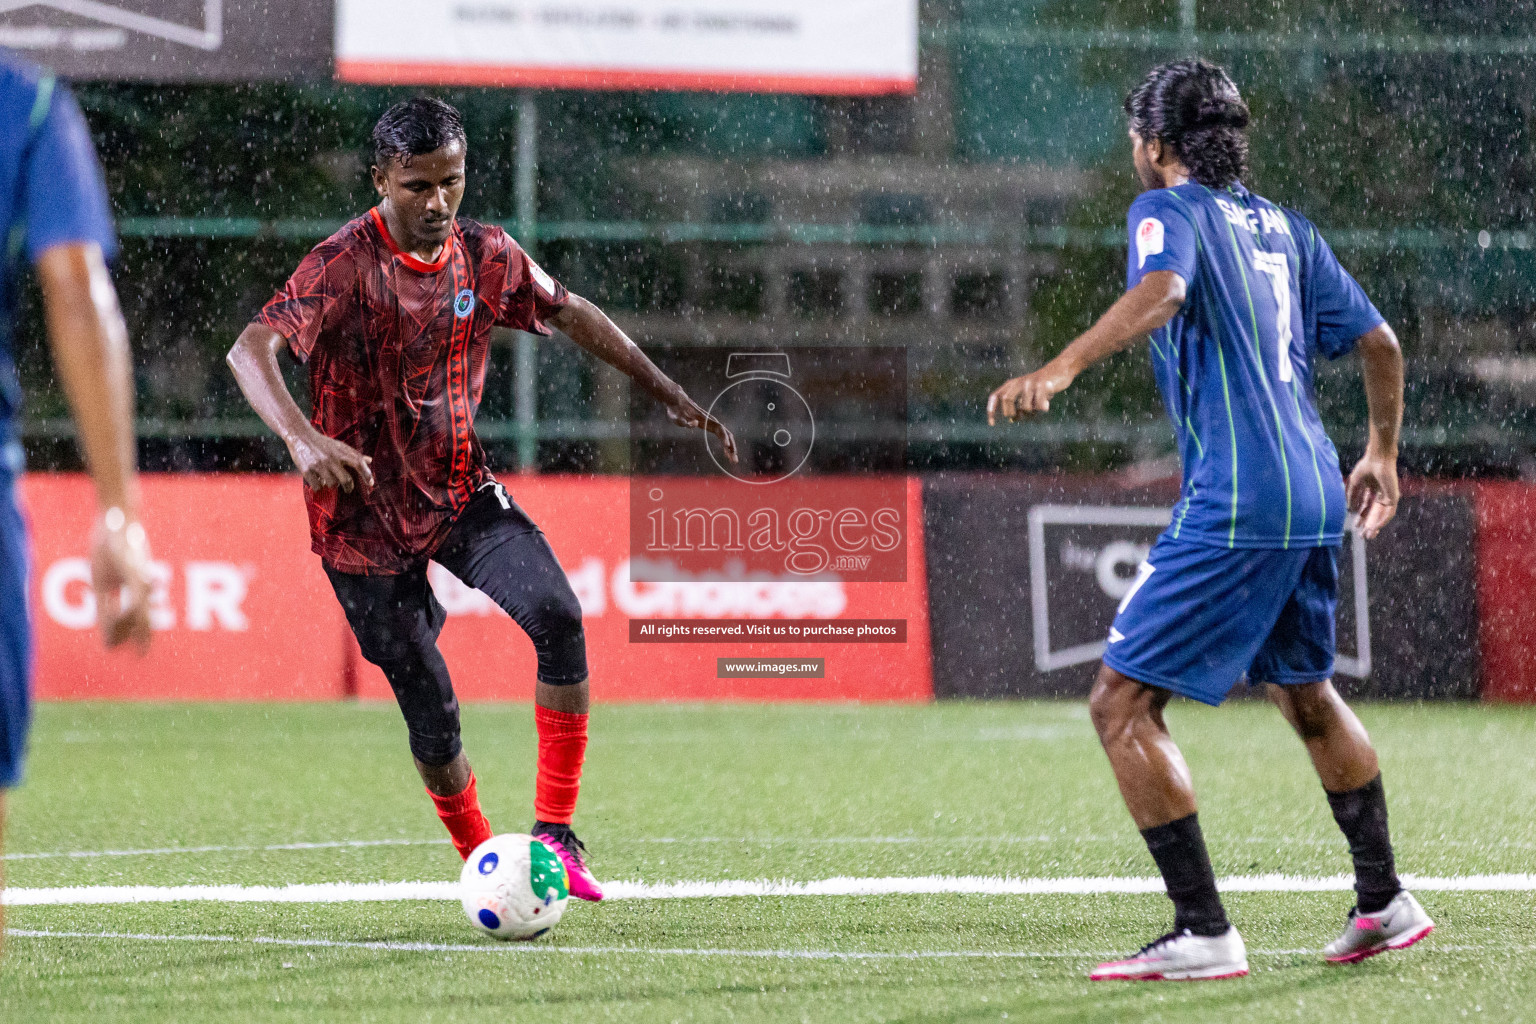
x,y
1226,394
42,103
1189,392
1322,492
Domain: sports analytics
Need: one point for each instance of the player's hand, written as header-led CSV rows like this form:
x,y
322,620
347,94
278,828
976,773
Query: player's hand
x,y
1373,493
1030,393
120,578
326,462
685,412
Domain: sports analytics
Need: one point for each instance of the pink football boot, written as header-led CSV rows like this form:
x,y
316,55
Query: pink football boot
x,y
573,855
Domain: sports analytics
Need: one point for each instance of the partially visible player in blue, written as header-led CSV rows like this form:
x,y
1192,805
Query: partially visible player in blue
x,y
53,214
1238,296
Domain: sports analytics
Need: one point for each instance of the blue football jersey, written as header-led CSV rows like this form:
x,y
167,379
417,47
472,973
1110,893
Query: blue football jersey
x,y
1235,364
51,192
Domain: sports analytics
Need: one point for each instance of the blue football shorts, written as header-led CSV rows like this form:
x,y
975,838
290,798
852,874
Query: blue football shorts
x,y
15,636
1198,617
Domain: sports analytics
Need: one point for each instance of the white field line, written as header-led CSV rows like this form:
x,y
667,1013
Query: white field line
x,y
531,947
162,851
323,892
389,892
338,844
761,954
665,840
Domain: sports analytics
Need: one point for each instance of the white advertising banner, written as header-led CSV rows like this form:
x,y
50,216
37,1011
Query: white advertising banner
x,y
846,47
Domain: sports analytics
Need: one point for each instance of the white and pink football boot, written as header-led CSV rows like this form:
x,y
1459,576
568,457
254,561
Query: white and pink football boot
x,y
1181,956
1399,926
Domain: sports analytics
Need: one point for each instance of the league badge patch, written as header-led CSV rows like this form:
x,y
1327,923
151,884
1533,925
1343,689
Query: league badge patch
x,y
1149,240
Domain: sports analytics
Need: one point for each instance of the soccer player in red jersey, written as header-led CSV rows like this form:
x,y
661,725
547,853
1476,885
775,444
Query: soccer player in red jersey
x,y
393,315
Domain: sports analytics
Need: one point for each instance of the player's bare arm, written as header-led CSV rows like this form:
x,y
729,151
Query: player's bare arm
x,y
1373,491
590,328
90,348
324,461
1137,313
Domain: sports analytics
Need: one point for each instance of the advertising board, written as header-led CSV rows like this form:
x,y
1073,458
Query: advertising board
x,y
1027,613
851,47
243,610
172,40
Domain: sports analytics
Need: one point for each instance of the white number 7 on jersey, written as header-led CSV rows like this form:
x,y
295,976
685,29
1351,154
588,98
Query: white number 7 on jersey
x,y
1274,265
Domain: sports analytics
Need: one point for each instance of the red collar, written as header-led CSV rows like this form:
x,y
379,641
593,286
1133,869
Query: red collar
x,y
411,261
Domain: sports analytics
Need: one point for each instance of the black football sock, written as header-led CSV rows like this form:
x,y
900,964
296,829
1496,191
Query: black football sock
x,y
1362,817
561,833
1179,849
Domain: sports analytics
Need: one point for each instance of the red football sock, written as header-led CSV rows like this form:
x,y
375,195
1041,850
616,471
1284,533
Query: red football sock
x,y
461,815
562,748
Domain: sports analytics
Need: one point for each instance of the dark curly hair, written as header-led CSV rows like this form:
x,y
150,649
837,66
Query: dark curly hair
x,y
1193,106
413,127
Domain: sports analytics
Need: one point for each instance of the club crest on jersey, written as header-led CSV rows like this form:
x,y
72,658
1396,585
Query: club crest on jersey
x,y
463,303
1149,240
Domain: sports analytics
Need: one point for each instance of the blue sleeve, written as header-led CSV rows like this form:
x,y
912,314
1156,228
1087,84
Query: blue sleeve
x,y
1338,305
1162,237
66,199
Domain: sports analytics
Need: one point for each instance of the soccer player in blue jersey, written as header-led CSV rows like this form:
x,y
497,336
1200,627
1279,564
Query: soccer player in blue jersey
x,y
1237,295
53,213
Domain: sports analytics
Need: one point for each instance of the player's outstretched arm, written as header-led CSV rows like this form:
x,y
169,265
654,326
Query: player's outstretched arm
x,y
90,348
1140,311
1373,491
590,328
324,461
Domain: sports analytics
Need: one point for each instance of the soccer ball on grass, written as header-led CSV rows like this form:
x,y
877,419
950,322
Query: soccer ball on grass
x,y
514,887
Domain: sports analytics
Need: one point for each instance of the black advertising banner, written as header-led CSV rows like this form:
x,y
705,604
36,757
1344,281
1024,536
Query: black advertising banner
x,y
1026,612
1422,573
173,40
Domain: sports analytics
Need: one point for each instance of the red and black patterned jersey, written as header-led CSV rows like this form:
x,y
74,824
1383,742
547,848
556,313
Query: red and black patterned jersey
x,y
397,354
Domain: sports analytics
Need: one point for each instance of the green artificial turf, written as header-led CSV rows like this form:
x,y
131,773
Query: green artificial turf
x,y
709,792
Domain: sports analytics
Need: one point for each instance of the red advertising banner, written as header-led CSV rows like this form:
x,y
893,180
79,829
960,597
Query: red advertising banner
x,y
587,522
1506,589
244,612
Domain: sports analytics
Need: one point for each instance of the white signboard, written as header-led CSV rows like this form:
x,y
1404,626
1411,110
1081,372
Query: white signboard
x,y
847,47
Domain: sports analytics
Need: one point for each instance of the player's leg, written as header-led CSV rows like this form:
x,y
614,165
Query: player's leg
x,y
396,621
1155,783
1189,625
1347,767
1148,766
495,548
1296,663
1334,737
